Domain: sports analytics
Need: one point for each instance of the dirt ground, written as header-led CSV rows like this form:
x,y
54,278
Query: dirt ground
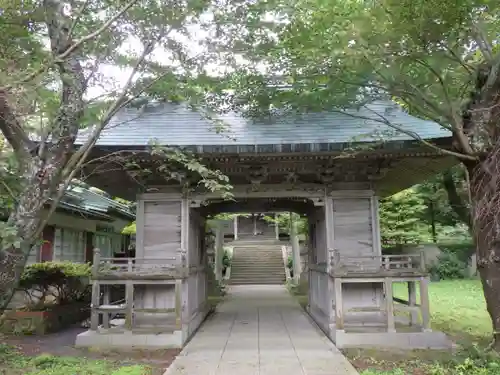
x,y
62,344
410,361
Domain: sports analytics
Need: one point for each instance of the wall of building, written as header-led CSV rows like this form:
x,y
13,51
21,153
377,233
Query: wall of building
x,y
355,235
68,237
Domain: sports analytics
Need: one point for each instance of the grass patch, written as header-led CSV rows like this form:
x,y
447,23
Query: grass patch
x,y
14,363
458,309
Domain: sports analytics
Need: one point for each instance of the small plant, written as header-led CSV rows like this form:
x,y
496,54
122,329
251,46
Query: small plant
x,y
289,265
55,283
448,267
226,260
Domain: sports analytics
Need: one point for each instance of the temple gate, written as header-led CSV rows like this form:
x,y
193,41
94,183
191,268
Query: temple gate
x,y
274,166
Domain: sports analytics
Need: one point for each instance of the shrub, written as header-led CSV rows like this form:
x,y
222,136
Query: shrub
x,y
290,265
463,250
449,267
226,260
55,283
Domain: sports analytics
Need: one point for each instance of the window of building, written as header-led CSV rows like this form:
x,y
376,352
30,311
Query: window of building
x,y
103,243
69,245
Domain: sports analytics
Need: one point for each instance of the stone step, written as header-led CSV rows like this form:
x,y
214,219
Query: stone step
x,y
236,278
251,244
260,256
257,261
255,251
263,269
257,264
258,282
255,275
257,244
257,256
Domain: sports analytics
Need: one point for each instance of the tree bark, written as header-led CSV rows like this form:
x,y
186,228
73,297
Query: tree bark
x,y
485,193
27,220
455,201
42,173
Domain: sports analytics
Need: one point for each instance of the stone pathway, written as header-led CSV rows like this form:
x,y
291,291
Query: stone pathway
x,y
260,330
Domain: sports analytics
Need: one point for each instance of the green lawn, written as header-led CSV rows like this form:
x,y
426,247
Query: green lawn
x,y
14,363
457,308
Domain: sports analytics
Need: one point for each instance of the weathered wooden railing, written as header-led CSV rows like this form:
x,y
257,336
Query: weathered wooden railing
x,y
129,268
384,270
130,272
388,264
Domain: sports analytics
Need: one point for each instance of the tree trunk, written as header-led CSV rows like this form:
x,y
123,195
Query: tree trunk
x,y
485,194
454,200
26,221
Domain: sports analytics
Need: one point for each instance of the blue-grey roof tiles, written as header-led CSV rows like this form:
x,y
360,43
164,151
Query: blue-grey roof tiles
x,y
178,125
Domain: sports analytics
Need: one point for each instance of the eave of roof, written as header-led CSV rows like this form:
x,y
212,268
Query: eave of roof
x,y
177,125
67,207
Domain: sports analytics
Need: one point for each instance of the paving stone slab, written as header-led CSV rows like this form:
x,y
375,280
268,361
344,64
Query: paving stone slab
x,y
260,330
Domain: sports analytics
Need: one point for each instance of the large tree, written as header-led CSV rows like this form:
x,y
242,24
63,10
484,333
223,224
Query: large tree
x,y
440,59
72,64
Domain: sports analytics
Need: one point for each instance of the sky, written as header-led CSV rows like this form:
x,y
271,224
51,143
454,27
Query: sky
x,y
194,46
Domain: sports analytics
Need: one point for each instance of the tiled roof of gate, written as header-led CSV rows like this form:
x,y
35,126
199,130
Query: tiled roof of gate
x,y
176,124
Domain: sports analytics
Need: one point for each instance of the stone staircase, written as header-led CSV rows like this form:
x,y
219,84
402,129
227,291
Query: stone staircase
x,y
257,261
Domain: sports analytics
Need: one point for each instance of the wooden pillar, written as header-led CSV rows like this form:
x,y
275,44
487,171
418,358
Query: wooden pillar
x,y
276,227
186,259
129,301
339,303
389,304
310,249
333,286
96,292
295,250
106,301
374,207
235,226
424,303
219,251
412,302
178,304
94,312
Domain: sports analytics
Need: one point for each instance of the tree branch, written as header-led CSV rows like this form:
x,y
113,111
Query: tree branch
x,y
383,120
12,130
80,155
64,53
482,42
96,33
